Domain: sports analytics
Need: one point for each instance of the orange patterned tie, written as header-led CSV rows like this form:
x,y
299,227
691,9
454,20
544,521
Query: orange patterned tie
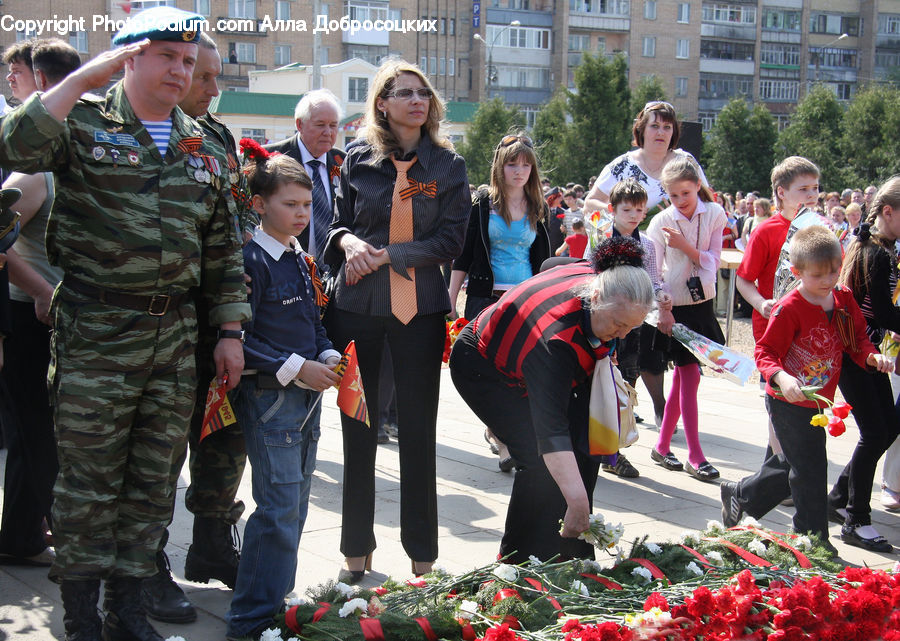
x,y
403,291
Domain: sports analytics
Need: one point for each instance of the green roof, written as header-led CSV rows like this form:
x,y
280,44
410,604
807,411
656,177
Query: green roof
x,y
258,104
276,104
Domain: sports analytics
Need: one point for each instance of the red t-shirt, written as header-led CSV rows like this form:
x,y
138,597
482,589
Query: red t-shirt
x,y
760,261
801,340
577,244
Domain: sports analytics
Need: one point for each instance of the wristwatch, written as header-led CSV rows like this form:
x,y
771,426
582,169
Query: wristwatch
x,y
232,333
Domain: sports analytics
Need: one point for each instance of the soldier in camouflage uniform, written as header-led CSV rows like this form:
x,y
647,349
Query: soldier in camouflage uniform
x,y
136,232
218,462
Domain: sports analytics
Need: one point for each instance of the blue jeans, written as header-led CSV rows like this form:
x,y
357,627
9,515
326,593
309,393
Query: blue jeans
x,y
283,459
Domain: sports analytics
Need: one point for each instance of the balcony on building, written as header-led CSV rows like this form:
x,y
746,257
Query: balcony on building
x,y
363,11
600,15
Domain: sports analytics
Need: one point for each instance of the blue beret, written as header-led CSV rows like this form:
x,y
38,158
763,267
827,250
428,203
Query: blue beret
x,y
161,23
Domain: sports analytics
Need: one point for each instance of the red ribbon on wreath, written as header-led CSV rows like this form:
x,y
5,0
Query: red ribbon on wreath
x,y
655,572
371,629
507,593
749,557
537,585
426,628
290,620
699,556
468,632
602,580
802,560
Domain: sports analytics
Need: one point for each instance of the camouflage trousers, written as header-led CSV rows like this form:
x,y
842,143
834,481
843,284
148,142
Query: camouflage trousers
x,y
122,384
217,463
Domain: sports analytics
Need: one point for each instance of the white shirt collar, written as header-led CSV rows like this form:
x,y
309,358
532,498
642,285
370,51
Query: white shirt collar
x,y
701,208
307,156
273,247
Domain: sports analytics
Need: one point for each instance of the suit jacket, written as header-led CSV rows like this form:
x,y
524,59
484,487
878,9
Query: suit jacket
x,y
334,160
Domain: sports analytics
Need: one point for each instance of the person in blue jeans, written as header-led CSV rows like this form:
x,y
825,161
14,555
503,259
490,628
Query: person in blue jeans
x,y
289,362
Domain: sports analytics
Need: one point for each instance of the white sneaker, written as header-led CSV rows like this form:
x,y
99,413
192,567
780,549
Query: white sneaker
x,y
890,499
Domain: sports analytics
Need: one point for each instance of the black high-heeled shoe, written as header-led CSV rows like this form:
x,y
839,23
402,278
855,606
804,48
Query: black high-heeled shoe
x,y
352,577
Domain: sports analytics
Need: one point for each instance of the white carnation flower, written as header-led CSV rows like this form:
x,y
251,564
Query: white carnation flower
x,y
656,617
580,588
468,609
715,557
437,568
690,537
174,638
506,572
591,565
297,600
345,590
654,548
642,572
533,560
270,635
803,543
757,547
693,567
352,606
715,526
750,521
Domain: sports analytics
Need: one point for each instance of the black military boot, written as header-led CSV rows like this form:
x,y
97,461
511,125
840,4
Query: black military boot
x,y
126,619
214,553
80,618
162,598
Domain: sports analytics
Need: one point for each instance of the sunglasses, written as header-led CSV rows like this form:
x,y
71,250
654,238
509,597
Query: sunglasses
x,y
406,94
509,140
653,104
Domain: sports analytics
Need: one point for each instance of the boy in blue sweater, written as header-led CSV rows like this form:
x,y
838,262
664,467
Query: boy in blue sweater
x,y
289,362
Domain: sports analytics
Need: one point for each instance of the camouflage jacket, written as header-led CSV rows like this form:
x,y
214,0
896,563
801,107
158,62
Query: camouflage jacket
x,y
240,191
126,218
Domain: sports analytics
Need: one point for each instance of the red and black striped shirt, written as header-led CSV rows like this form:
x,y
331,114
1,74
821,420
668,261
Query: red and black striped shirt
x,y
539,311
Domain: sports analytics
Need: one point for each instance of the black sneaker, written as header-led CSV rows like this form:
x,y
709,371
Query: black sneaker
x,y
732,512
851,536
623,468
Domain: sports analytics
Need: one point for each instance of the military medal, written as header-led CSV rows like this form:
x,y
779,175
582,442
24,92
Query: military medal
x,y
133,159
198,175
98,152
114,154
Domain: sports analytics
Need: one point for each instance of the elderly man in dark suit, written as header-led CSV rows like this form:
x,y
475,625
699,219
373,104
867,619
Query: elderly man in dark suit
x,y
317,116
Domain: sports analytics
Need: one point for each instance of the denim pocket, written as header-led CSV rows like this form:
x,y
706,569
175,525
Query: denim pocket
x,y
312,449
276,403
286,455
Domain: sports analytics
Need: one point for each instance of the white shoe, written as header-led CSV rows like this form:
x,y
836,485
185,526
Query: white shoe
x,y
890,499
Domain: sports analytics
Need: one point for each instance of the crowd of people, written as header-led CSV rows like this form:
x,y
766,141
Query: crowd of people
x,y
147,265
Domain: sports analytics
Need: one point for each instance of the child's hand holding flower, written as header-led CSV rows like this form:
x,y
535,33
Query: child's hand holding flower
x,y
790,387
880,362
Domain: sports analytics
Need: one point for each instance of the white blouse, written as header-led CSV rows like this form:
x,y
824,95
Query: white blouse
x,y
625,167
703,230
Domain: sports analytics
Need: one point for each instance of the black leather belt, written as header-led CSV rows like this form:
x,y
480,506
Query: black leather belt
x,y
155,305
265,381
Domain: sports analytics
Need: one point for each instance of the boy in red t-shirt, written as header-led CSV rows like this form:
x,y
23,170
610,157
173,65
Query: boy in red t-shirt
x,y
804,342
795,184
577,242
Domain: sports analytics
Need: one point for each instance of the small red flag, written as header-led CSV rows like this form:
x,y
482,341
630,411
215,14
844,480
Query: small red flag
x,y
351,398
218,414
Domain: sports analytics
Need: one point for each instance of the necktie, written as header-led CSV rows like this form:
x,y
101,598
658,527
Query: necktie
x,y
321,210
403,291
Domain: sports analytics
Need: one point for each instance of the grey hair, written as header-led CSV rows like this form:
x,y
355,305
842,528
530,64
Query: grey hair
x,y
207,42
312,99
621,284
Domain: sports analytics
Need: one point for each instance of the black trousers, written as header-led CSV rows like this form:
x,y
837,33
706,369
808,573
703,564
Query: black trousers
x,y
31,464
536,504
416,350
873,408
800,472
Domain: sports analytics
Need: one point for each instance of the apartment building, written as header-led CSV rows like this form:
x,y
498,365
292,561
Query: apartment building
x,y
705,52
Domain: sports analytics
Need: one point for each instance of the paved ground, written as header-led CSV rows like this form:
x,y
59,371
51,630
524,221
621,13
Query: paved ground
x,y
473,497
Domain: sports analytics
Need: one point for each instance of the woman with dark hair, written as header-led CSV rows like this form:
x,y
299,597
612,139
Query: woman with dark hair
x,y
524,366
655,134
401,212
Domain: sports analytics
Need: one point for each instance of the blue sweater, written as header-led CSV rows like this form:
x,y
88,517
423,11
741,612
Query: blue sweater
x,y
285,329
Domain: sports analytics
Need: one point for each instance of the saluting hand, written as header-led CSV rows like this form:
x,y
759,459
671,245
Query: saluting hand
x,y
99,70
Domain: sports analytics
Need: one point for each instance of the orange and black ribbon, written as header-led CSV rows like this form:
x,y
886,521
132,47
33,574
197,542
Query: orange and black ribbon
x,y
190,145
318,288
415,187
844,323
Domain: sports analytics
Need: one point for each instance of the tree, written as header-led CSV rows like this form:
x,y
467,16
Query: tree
x,y
491,122
649,89
600,111
549,135
869,146
816,127
739,148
